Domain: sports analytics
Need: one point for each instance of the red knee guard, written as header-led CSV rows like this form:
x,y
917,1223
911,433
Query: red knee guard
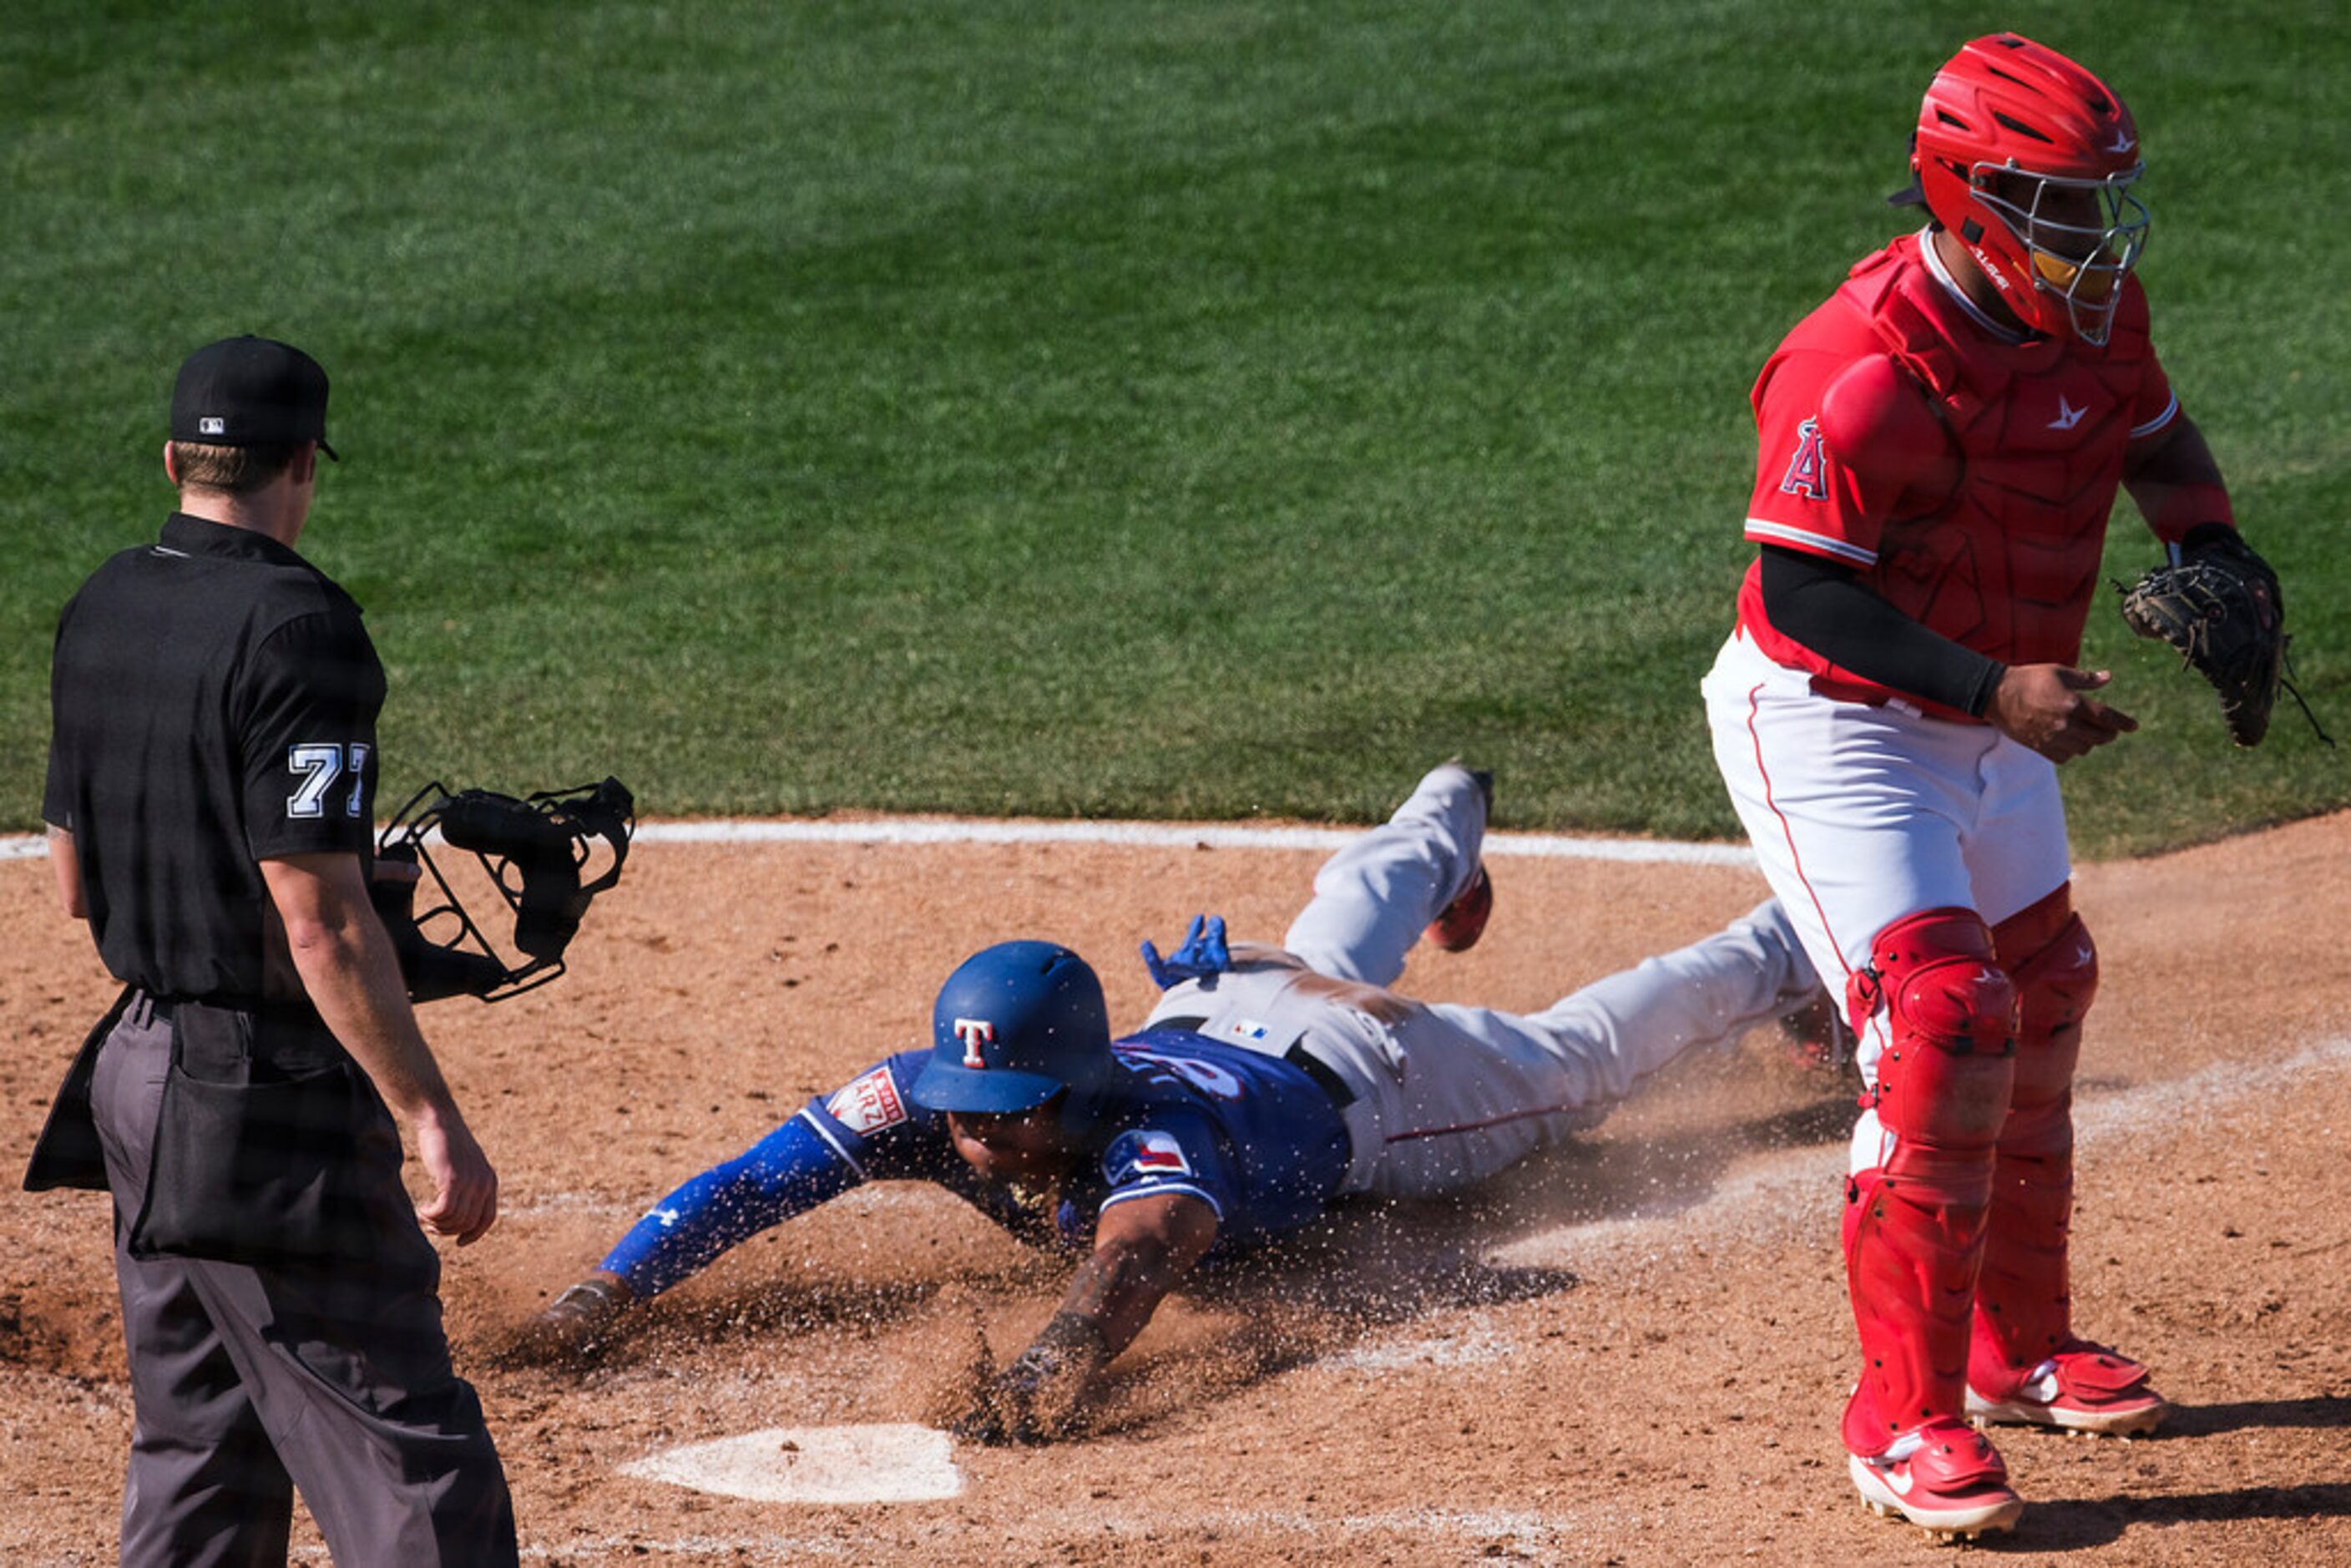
x,y
1914,1226
2023,1306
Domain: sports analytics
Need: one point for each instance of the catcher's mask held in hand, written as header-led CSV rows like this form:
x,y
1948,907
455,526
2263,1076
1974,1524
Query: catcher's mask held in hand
x,y
536,852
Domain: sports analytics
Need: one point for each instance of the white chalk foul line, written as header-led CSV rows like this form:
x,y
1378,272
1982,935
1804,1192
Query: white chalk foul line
x,y
1165,835
1145,835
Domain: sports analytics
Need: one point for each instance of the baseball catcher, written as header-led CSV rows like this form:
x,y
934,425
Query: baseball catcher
x,y
1939,447
2218,603
535,852
1267,1083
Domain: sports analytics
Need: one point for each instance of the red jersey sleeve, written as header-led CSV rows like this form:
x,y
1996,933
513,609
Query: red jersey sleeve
x,y
1844,442
2157,404
2170,511
1806,498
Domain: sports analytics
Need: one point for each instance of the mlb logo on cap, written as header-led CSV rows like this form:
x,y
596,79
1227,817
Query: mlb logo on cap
x,y
213,425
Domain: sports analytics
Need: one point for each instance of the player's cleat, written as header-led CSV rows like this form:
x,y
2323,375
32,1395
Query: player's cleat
x,y
587,1304
1816,1035
1463,921
574,1323
1942,1477
2084,1388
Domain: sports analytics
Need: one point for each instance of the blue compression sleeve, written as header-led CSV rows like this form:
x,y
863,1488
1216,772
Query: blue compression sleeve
x,y
789,1172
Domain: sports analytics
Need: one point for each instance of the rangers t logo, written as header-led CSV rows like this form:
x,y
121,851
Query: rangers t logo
x,y
975,1033
1808,470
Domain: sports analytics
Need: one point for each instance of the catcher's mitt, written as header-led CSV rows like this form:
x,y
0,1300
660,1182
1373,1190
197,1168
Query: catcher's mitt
x,y
2220,606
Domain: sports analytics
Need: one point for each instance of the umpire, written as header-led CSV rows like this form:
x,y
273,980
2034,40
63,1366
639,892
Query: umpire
x,y
211,781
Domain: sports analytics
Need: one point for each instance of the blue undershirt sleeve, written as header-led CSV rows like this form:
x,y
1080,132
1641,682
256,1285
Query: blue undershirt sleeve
x,y
789,1172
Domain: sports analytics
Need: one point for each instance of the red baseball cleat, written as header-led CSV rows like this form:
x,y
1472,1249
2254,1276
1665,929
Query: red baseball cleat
x,y
1463,921
2084,1388
1943,1477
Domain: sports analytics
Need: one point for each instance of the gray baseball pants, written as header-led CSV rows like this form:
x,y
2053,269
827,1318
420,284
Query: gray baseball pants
x,y
1446,1096
251,1382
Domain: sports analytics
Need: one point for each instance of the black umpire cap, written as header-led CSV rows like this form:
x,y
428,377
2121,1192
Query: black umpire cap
x,y
250,391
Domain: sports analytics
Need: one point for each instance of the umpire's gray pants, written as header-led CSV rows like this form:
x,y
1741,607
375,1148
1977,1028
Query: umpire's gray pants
x,y
1446,1096
251,1382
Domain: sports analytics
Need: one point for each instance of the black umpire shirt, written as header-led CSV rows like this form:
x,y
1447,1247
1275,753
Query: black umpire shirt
x,y
215,700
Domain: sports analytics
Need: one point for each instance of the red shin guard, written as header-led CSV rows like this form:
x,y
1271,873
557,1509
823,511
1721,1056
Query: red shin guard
x,y
2023,1306
1914,1226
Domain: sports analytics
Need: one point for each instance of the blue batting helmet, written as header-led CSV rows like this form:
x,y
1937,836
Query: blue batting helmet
x,y
1014,1025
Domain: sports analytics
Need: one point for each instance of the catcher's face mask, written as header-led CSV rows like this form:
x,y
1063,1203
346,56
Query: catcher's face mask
x,y
536,852
2081,237
2029,159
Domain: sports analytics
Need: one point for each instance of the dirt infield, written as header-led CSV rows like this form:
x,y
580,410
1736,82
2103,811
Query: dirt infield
x,y
1631,1351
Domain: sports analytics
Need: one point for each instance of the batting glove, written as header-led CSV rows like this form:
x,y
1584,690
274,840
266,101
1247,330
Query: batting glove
x,y
1202,954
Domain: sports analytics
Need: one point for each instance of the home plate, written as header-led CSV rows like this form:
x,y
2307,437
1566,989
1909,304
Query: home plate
x,y
899,1462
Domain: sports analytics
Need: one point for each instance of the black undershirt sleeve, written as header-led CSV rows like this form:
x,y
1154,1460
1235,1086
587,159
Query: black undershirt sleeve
x,y
1827,608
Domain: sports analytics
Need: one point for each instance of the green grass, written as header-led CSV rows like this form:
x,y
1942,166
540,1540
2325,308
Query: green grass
x,y
1091,407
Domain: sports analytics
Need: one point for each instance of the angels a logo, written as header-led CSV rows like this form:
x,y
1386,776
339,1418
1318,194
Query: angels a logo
x,y
975,1033
1808,470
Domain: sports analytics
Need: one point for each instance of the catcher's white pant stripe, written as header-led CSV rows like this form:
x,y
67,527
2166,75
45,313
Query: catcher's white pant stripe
x,y
1832,948
1861,814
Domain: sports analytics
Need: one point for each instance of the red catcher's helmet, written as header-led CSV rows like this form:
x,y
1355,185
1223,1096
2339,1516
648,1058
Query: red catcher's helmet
x,y
2030,160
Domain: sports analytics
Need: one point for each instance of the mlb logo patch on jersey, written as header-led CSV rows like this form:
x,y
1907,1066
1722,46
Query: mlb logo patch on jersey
x,y
1146,1153
1247,1031
869,1103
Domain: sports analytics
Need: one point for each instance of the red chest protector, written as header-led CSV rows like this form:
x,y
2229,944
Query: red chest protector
x,y
2004,559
